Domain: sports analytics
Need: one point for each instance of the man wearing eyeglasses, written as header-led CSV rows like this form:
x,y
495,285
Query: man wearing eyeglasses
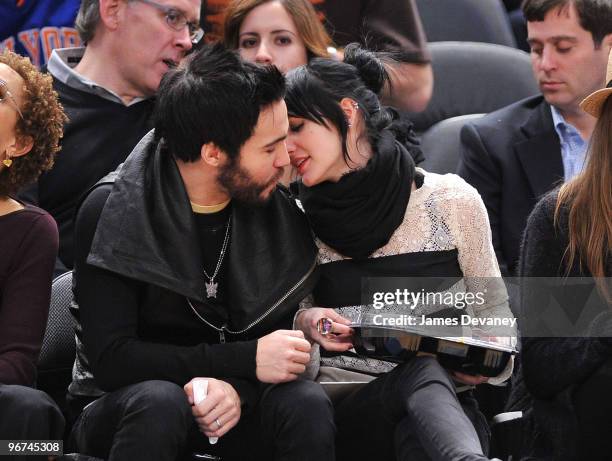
x,y
107,90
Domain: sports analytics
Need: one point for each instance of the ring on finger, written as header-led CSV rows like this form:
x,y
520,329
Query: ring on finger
x,y
219,425
324,326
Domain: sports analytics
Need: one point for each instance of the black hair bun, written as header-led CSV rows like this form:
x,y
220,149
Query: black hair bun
x,y
390,119
370,67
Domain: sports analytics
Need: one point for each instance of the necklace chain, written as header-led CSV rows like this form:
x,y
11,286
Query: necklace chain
x,y
222,254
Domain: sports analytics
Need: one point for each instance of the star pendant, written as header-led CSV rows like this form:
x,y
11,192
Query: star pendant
x,y
211,289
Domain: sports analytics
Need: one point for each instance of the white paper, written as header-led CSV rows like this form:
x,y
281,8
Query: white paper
x,y
200,391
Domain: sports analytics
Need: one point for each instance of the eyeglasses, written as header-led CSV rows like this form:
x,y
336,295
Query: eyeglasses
x,y
176,20
6,94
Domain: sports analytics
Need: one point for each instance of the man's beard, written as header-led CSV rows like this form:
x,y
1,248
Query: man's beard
x,y
241,186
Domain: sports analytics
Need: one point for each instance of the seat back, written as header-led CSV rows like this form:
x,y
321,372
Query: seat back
x,y
58,348
474,78
441,144
466,20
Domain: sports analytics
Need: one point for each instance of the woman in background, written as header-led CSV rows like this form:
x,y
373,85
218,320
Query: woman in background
x,y
285,33
569,234
31,123
376,215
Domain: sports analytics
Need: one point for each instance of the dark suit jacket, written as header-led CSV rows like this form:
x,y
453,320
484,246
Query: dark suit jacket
x,y
513,157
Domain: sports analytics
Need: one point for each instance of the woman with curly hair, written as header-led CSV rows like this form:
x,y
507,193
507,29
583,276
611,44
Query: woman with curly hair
x,y
31,121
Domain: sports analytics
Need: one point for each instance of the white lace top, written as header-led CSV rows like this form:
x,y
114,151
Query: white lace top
x,y
445,213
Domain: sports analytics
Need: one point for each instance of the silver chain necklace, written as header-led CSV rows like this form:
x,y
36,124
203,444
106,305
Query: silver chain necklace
x,y
211,285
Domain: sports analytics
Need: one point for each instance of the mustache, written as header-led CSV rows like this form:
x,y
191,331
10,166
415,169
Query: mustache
x,y
277,176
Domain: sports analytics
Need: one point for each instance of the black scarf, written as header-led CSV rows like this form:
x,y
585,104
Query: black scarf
x,y
359,213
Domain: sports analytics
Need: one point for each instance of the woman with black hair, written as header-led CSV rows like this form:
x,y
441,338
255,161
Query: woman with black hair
x,y
375,214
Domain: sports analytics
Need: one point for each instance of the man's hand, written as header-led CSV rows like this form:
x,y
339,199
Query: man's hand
x,y
281,356
340,337
472,380
219,411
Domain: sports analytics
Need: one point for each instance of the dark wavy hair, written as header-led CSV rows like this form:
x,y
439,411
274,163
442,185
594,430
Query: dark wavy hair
x,y
43,122
595,16
314,92
213,97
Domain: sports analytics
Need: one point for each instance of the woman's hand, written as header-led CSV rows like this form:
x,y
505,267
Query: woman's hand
x,y
339,337
472,380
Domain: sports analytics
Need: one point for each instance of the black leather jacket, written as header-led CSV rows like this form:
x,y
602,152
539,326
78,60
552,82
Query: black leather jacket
x,y
146,239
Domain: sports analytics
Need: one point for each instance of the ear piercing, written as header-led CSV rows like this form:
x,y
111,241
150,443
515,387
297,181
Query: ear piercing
x,y
356,107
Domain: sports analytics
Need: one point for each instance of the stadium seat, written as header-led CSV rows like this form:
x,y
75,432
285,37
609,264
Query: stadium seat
x,y
58,348
467,21
441,144
474,78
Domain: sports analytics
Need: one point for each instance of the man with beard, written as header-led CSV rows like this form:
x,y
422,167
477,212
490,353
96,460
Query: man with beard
x,y
179,276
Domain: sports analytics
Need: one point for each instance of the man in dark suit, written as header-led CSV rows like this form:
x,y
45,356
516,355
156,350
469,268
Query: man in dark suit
x,y
516,154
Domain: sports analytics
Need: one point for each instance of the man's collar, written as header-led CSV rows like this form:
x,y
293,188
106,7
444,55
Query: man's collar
x,y
61,66
561,124
557,117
